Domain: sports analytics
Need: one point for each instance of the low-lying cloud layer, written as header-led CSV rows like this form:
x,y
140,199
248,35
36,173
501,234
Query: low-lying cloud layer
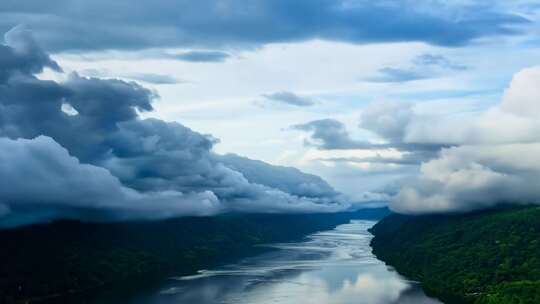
x,y
465,163
43,182
497,160
79,149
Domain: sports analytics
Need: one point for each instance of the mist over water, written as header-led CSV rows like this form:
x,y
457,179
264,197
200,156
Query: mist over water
x,y
331,267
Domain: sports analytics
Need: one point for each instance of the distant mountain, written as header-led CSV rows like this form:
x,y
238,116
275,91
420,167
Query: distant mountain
x,y
52,260
483,257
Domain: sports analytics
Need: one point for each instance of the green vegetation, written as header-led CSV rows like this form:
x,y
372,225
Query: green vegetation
x,y
47,261
483,257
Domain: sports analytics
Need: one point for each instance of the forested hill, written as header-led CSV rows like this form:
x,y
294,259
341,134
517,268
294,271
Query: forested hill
x,y
484,257
46,261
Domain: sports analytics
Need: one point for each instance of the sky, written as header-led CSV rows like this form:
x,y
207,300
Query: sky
x,y
155,109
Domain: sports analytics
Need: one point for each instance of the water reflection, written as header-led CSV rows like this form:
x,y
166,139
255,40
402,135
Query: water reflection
x,y
334,267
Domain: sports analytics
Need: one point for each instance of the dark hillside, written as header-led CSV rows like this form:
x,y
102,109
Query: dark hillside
x,y
484,257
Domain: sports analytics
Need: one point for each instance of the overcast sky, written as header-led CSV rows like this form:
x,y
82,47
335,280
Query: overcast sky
x,y
386,100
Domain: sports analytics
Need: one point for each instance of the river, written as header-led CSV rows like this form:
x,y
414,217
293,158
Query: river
x,y
331,267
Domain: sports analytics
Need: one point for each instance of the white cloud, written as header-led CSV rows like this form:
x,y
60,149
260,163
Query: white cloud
x,y
499,164
523,96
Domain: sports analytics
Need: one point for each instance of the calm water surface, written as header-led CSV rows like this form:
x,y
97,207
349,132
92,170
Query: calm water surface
x,y
332,267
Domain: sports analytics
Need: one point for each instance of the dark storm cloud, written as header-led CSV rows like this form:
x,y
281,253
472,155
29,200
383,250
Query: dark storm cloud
x,y
41,181
123,24
79,149
23,55
289,98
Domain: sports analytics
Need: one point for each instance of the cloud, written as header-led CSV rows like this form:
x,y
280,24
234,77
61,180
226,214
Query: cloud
x,y
521,98
23,55
388,157
496,162
389,74
468,178
423,67
438,61
66,25
144,77
330,134
289,98
79,149
388,120
408,158
466,162
201,56
45,183
287,179
153,78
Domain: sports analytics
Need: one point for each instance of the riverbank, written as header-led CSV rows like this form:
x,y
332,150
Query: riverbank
x,y
482,257
43,261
